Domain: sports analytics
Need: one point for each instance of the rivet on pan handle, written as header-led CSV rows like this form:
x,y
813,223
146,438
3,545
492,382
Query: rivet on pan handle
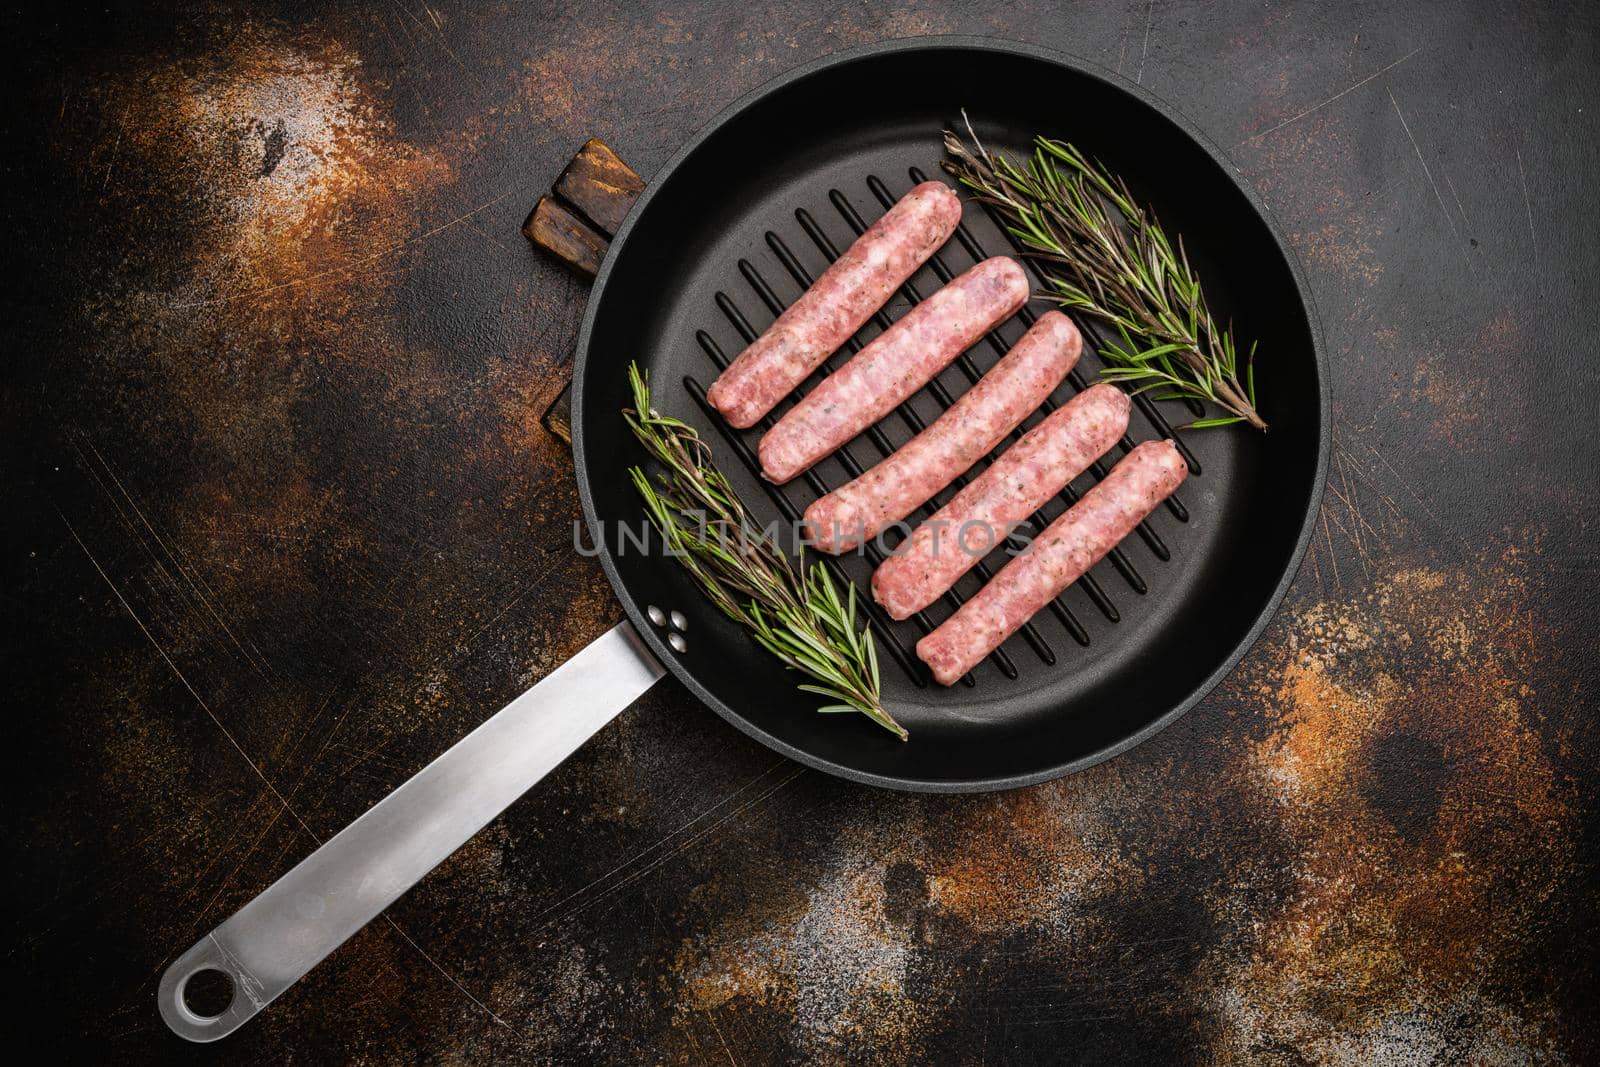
x,y
271,942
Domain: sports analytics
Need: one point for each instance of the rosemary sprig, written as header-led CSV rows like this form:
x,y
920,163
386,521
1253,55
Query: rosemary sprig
x,y
796,613
1125,272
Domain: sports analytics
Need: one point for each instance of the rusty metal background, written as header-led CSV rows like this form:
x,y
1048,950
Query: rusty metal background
x,y
282,524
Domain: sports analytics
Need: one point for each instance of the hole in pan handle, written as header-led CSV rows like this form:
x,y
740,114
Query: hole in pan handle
x,y
271,942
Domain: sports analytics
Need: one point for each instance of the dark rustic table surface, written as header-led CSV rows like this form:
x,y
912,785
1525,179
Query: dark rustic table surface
x,y
284,525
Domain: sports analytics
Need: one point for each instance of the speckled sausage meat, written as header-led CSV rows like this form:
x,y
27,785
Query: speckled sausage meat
x,y
897,363
1015,486
1058,557
827,314
1009,393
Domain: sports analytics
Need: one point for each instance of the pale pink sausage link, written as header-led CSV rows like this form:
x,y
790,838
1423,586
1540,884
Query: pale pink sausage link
x,y
1011,390
897,363
847,294
1015,486
1059,556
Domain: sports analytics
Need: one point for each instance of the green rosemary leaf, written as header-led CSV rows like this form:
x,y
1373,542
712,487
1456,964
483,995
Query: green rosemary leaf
x,y
824,691
794,611
872,658
1250,373
1109,257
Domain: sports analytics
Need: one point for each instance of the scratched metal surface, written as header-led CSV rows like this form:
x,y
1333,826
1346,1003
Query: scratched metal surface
x,y
283,526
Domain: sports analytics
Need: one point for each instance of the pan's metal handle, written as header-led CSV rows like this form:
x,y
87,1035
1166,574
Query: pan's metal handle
x,y
303,916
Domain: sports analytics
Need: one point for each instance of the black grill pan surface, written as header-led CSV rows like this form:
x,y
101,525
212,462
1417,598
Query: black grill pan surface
x,y
730,233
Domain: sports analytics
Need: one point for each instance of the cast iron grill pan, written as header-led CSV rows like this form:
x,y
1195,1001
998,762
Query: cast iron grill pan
x,y
740,224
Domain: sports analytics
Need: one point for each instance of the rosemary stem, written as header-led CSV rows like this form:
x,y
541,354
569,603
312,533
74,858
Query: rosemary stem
x,y
1230,397
794,612
1111,260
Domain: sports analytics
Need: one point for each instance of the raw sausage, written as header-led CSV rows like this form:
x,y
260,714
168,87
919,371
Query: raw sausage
x,y
827,314
1058,557
897,363
896,487
1006,395
1015,486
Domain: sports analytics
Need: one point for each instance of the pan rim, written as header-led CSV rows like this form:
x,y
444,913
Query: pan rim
x,y
1206,685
